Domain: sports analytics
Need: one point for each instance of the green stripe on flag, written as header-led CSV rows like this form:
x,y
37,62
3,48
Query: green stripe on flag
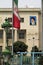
x,y
16,1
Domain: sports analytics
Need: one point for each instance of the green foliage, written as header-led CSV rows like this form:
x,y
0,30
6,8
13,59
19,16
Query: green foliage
x,y
19,47
7,63
41,60
35,49
6,52
6,24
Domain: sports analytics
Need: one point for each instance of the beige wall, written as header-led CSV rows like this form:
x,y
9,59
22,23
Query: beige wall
x,y
31,31
3,15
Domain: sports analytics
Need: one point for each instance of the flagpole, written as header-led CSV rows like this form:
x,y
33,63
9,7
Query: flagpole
x,y
12,27
13,19
12,32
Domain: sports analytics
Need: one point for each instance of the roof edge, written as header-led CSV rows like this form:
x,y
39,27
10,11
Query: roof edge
x,y
21,9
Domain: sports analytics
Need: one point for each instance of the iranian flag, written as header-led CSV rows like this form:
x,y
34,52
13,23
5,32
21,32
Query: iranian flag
x,y
16,18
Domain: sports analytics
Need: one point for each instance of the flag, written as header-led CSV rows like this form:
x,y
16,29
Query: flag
x,y
16,18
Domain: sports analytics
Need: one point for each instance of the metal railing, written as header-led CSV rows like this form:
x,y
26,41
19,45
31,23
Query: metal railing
x,y
28,58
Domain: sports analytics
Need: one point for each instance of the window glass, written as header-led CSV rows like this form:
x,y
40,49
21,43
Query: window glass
x,y
22,19
21,34
0,48
1,34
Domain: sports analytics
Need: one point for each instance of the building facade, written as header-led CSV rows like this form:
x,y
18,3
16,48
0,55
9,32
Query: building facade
x,y
30,27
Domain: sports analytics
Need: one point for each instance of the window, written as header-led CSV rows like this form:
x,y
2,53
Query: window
x,y
22,19
1,34
21,34
0,48
10,19
9,35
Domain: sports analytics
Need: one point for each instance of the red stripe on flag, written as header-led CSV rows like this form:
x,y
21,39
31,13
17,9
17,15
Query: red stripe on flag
x,y
16,22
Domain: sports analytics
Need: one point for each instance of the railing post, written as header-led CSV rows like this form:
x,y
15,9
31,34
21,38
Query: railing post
x,y
32,58
21,55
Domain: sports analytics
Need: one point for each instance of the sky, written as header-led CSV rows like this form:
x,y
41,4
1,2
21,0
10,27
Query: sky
x,y
21,3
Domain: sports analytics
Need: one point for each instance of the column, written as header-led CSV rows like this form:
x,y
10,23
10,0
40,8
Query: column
x,y
15,35
4,39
